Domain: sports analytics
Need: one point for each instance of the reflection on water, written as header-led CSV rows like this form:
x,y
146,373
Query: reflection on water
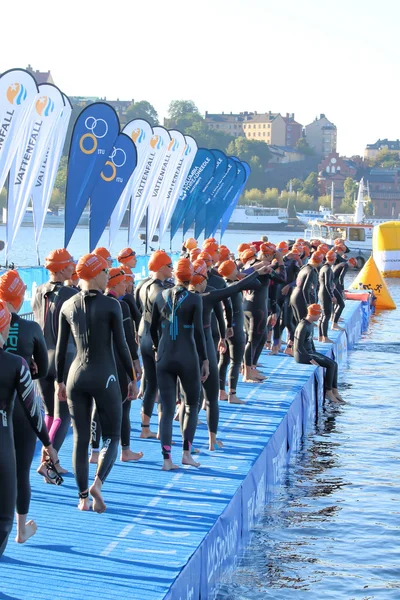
x,y
333,531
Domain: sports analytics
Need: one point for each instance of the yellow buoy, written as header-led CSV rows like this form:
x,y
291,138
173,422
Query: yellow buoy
x,y
386,248
369,278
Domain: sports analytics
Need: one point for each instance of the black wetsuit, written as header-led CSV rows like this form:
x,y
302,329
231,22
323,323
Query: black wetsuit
x,y
339,271
25,339
46,308
15,379
96,324
304,352
218,324
135,312
236,344
325,295
177,335
123,381
286,319
304,293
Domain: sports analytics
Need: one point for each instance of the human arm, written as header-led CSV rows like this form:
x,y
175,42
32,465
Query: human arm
x,y
199,337
342,274
120,343
155,323
128,330
307,287
40,355
219,314
64,331
300,337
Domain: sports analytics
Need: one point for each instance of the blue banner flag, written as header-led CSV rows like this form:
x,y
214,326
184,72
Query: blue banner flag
x,y
213,210
93,137
112,181
199,175
201,207
221,207
228,213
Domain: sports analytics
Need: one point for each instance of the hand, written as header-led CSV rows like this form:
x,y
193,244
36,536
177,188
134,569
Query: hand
x,y
138,369
264,269
314,362
272,319
285,290
229,333
52,453
222,346
205,371
33,368
61,391
334,300
132,391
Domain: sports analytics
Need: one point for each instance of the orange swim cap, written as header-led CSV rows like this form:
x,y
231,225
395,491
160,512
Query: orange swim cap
x,y
352,262
90,265
125,255
306,251
199,272
314,309
338,241
57,260
323,248
227,268
129,275
103,252
315,242
190,244
295,251
5,315
317,257
242,247
300,241
194,253
207,240
340,248
12,288
331,256
210,247
268,248
283,246
158,260
183,270
247,255
224,252
206,257
115,276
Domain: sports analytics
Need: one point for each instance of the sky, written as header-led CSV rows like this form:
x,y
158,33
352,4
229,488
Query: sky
x,y
337,57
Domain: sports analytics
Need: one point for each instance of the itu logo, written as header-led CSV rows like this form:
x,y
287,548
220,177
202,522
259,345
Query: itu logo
x,y
156,142
173,145
16,93
138,135
44,106
117,160
98,128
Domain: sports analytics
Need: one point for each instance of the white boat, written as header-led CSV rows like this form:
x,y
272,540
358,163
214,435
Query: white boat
x,y
314,215
261,218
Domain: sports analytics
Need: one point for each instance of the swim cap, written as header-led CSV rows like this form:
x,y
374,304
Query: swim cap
x,y
314,309
210,247
207,240
12,288
295,251
267,248
331,256
206,257
324,248
283,246
57,260
306,251
224,252
300,241
103,252
315,242
90,265
183,270
317,257
5,315
129,276
338,241
125,255
115,276
158,260
242,247
352,262
227,268
190,244
340,248
194,253
247,255
199,272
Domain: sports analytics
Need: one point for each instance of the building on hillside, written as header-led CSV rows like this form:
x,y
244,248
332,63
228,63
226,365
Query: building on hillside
x,y
384,191
266,127
335,169
294,130
40,76
373,149
284,154
229,123
321,135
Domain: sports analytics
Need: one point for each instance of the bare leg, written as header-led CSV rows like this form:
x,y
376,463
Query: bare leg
x,y
233,399
25,529
127,455
84,502
213,442
187,459
146,433
168,465
223,395
95,492
94,456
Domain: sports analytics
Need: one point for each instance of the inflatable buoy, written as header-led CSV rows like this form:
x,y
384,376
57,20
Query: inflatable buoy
x,y
386,248
369,278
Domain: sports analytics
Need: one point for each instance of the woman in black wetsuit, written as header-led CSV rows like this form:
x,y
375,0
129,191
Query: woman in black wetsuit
x,y
339,272
160,265
178,339
326,296
26,340
95,322
305,291
15,379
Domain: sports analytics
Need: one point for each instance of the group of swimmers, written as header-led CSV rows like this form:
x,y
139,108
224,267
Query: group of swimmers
x,y
189,323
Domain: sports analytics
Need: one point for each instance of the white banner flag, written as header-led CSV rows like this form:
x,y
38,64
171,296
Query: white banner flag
x,y
140,132
29,157
43,188
142,191
18,94
181,172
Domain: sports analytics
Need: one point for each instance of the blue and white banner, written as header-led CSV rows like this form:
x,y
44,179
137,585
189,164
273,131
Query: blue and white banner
x,y
93,137
140,132
228,212
217,200
220,208
110,185
39,129
199,216
18,95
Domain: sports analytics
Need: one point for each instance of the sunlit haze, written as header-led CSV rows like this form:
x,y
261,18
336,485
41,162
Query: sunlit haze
x,y
303,56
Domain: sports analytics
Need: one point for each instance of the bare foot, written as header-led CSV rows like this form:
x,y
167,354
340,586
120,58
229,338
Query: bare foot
x,y
42,470
336,327
214,443
223,395
169,465
320,339
146,434
95,491
336,393
60,469
329,395
127,455
288,350
84,504
94,458
233,399
187,459
25,531
275,349
267,345
250,378
326,340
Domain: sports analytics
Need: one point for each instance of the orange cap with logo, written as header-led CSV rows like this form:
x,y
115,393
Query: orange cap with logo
x,y
317,257
103,252
226,268
267,249
306,251
323,248
338,241
331,256
115,276
158,260
90,265
5,315
247,255
199,272
183,270
314,309
340,248
210,247
57,260
12,288
283,246
224,252
206,257
194,253
190,244
211,239
125,255
242,247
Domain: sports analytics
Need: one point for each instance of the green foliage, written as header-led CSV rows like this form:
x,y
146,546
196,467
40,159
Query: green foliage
x,y
310,186
350,191
303,147
385,159
273,198
207,138
297,184
255,153
182,114
57,198
61,177
325,201
142,110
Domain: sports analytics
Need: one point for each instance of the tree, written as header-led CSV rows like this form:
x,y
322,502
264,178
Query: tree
x,y
297,184
253,196
325,201
207,138
310,186
182,114
61,177
304,147
142,110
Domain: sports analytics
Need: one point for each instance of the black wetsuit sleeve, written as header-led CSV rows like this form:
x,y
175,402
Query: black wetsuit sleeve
x,y
40,354
119,338
238,286
300,339
155,324
199,337
64,331
279,274
342,274
219,314
31,404
307,287
128,330
228,312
